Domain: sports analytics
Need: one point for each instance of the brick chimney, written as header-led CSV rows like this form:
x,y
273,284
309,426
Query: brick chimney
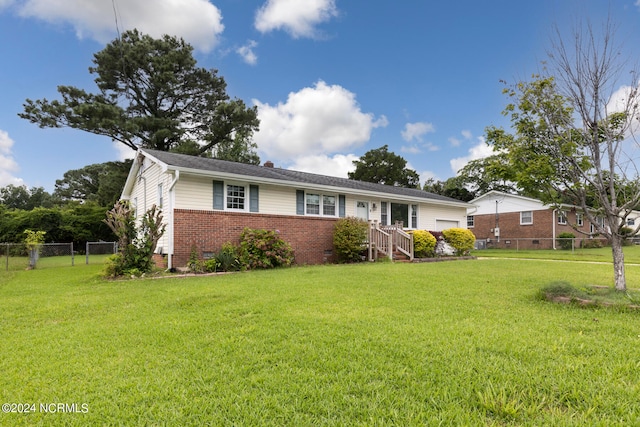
x,y
268,164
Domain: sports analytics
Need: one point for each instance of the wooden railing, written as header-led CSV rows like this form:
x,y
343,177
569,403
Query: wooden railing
x,y
380,242
387,239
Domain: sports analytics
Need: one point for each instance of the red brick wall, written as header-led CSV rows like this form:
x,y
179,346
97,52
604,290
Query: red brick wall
x,y
510,228
308,236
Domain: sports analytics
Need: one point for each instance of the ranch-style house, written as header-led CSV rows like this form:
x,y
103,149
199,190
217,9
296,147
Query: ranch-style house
x,y
207,202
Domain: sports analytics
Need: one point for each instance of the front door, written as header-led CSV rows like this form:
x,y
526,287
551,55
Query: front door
x,y
362,210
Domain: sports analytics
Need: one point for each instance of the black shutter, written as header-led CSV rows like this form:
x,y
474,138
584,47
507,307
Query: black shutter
x,y
218,195
299,202
253,198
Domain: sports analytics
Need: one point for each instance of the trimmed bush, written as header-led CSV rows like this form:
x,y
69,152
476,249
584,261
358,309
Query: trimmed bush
x,y
264,249
565,240
350,239
461,239
424,244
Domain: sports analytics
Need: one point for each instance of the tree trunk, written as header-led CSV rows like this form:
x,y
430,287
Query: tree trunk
x,y
620,280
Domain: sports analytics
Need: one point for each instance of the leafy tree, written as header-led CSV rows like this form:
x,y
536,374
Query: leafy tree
x,y
453,187
20,197
152,95
487,174
100,182
571,139
384,167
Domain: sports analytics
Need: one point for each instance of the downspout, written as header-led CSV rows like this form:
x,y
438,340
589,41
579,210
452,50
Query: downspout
x,y
172,196
553,227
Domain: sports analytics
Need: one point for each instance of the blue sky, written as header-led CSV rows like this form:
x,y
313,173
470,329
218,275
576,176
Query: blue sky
x,y
332,79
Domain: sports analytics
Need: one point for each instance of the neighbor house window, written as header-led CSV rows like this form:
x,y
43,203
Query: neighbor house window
x,y
631,222
562,218
526,217
235,197
579,219
470,221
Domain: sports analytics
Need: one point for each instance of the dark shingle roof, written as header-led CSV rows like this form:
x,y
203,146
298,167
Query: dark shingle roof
x,y
216,165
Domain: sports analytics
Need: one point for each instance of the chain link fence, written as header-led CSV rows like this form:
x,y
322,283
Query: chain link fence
x,y
16,256
541,243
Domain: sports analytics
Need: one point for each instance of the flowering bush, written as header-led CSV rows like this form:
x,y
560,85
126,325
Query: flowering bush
x,y
461,239
264,249
424,244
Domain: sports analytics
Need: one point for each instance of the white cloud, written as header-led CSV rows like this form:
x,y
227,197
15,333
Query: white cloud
x,y
415,131
478,151
7,163
624,99
123,151
315,120
5,3
455,142
197,21
298,18
417,149
247,53
338,165
466,134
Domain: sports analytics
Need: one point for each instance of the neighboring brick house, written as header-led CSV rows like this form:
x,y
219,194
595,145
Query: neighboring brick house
x,y
208,202
509,221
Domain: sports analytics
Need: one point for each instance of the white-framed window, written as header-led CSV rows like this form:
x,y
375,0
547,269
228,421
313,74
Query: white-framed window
x,y
470,221
414,216
318,204
236,197
526,217
329,205
579,219
562,218
631,222
160,198
384,215
391,212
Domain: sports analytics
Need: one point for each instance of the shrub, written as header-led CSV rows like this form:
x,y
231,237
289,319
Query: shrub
x,y
136,244
627,234
591,243
227,259
264,249
424,244
350,238
460,239
565,240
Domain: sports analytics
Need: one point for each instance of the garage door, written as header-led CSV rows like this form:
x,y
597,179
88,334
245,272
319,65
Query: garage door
x,y
443,224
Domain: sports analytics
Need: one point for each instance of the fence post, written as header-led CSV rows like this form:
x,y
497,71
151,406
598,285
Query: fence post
x,y
87,253
7,257
72,260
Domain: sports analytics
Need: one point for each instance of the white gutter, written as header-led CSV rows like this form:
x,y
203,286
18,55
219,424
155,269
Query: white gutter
x,y
553,227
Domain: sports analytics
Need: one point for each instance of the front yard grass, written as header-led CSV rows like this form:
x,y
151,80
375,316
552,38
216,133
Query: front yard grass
x,y
458,343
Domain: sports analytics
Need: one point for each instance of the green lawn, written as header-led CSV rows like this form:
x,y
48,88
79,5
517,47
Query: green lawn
x,y
455,343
